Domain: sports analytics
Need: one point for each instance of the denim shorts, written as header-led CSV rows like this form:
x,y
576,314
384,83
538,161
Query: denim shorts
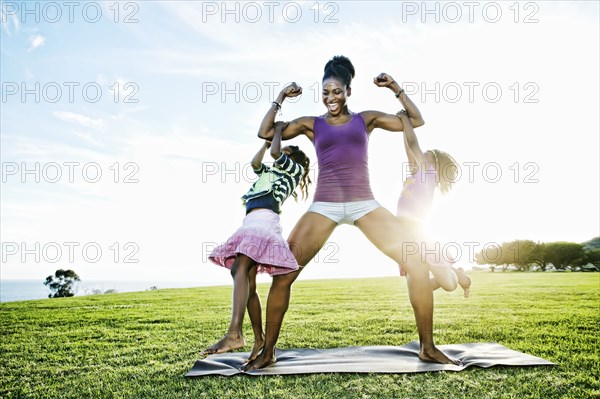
x,y
344,212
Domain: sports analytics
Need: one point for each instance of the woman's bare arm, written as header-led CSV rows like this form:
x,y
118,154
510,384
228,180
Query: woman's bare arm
x,y
276,143
385,80
294,128
390,122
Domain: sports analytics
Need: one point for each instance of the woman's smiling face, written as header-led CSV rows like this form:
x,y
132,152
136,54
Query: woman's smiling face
x,y
334,95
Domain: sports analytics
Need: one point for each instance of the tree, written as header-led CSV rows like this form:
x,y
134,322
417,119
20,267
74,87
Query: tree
x,y
525,253
562,254
520,253
539,256
487,256
592,252
593,256
491,255
62,283
507,255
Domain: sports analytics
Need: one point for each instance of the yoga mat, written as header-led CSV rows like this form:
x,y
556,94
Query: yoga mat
x,y
367,359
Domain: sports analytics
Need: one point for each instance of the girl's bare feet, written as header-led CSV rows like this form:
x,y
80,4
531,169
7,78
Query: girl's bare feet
x,y
435,355
231,341
259,343
464,281
262,360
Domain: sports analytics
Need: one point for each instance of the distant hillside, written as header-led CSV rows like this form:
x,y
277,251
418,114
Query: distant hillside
x,y
594,243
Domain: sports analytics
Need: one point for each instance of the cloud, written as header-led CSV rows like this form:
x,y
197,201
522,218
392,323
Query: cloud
x,y
6,21
36,41
20,148
79,119
88,137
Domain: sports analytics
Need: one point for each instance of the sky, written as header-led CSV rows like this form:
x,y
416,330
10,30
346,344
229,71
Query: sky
x,y
127,127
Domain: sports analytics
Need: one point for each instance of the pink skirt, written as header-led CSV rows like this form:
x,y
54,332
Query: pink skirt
x,y
260,239
429,251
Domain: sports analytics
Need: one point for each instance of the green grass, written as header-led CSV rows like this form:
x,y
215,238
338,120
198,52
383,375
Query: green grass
x,y
139,345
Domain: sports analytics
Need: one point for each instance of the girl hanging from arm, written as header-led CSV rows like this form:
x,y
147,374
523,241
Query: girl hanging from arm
x,y
430,169
258,245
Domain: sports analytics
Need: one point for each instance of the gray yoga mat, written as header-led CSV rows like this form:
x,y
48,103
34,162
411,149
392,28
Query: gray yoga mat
x,y
367,359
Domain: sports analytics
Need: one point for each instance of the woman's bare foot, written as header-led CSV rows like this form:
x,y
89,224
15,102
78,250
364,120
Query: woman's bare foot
x,y
231,341
435,355
259,343
464,281
262,360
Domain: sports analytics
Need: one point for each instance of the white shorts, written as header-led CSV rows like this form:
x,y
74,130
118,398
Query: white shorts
x,y
344,212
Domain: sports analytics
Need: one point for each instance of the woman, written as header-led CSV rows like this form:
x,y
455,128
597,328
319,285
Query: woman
x,y
343,195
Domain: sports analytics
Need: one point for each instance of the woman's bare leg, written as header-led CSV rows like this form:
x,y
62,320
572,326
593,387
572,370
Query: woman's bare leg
x,y
255,313
234,338
387,233
309,235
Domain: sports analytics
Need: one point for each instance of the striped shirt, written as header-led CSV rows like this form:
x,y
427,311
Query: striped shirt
x,y
280,180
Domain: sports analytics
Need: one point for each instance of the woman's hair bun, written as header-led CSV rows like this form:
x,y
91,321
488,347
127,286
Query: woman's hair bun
x,y
341,68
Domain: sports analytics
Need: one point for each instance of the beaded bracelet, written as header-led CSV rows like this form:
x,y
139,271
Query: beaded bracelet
x,y
400,92
278,106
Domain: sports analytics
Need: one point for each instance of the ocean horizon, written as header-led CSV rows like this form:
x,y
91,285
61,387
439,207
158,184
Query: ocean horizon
x,y
25,290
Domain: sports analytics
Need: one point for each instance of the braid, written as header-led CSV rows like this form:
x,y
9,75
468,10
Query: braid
x,y
300,157
447,170
305,180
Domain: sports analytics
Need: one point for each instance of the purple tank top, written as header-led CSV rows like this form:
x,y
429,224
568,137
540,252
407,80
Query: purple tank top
x,y
417,195
343,161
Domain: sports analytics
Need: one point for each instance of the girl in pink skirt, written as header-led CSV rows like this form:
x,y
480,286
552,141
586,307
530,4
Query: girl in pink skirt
x,y
431,169
258,245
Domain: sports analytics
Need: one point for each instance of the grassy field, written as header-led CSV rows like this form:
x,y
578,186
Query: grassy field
x,y
139,345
